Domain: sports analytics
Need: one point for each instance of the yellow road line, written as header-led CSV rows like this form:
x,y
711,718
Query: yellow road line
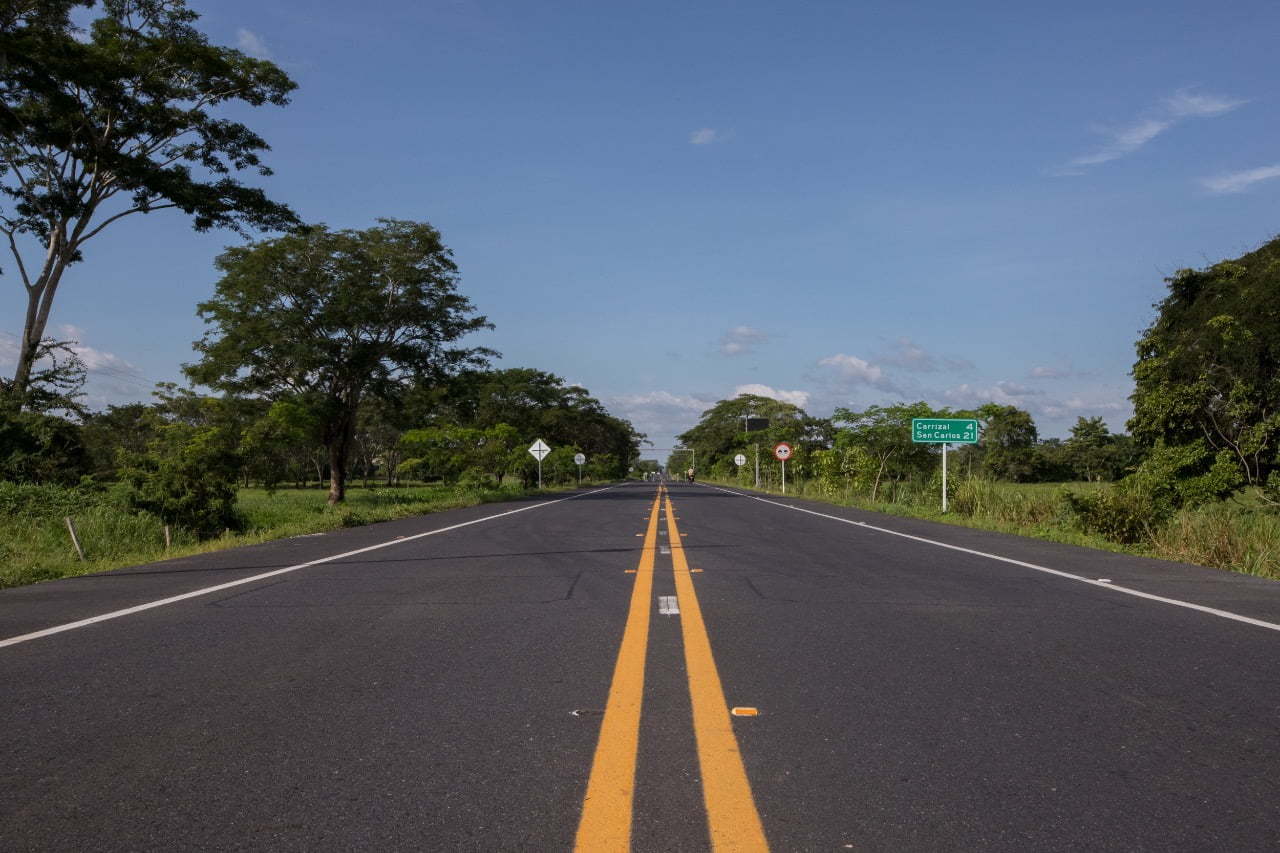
x,y
606,810
732,818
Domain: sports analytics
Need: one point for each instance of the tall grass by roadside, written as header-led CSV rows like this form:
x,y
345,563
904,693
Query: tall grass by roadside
x,y
1240,538
35,545
1238,535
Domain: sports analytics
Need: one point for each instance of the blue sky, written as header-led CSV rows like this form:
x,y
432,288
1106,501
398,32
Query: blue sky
x,y
835,203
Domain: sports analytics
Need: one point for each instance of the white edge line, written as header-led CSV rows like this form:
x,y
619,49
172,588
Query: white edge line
x,y
1213,611
195,593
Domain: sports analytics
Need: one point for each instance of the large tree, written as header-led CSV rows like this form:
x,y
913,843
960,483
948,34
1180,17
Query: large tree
x,y
119,121
731,425
1008,442
1207,378
327,318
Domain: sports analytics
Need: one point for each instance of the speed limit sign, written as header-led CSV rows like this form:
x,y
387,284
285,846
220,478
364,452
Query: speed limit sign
x,y
782,451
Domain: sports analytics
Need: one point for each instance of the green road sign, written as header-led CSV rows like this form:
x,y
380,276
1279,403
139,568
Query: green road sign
x,y
944,430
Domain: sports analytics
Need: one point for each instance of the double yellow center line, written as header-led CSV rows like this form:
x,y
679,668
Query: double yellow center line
x,y
732,820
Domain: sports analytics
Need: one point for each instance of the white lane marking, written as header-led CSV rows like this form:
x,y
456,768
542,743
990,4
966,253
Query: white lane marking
x,y
668,605
173,599
1103,583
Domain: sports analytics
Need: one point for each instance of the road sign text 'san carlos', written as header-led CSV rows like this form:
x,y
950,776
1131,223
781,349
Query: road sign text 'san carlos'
x,y
944,430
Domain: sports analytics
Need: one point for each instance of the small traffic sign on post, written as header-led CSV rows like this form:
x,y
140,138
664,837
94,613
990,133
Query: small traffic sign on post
x,y
739,460
579,459
944,431
539,449
782,452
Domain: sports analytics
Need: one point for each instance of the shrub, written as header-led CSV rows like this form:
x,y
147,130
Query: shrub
x,y
188,477
1125,513
37,448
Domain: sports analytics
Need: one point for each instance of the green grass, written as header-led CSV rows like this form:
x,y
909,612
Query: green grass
x,y
35,544
1241,534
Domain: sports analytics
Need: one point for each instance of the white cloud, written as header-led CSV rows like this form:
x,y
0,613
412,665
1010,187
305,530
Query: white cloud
x,y
253,44
851,370
1124,141
97,361
1237,182
1005,393
742,340
796,398
704,136
1131,137
909,355
1080,406
1045,372
661,399
1185,103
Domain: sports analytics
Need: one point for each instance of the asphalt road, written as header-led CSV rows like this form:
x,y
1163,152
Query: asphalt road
x,y
503,678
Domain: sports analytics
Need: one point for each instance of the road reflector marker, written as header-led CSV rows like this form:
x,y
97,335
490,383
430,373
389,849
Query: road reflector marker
x,y
695,570
664,549
630,571
667,605
587,712
745,712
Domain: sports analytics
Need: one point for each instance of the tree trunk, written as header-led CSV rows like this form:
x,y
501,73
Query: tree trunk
x,y
339,452
337,472
40,295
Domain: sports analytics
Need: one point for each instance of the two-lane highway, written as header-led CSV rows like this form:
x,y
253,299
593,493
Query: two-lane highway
x,y
552,673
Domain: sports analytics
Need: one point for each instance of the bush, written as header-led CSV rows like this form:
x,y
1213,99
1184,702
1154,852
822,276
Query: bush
x,y
38,448
473,480
188,477
1125,513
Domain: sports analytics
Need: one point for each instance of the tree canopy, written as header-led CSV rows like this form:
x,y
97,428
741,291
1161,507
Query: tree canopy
x,y
329,318
117,123
1207,376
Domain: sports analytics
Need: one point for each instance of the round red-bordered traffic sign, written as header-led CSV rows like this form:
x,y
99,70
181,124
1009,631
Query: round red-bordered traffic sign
x,y
782,451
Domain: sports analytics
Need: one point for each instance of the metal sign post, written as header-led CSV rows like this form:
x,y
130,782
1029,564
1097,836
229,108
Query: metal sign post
x,y
944,431
539,450
782,452
944,476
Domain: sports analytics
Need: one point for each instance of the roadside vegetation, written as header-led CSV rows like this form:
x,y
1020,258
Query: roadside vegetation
x,y
35,543
1242,534
1193,479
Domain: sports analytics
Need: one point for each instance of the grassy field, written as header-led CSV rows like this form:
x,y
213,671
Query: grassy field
x,y
1239,534
35,544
